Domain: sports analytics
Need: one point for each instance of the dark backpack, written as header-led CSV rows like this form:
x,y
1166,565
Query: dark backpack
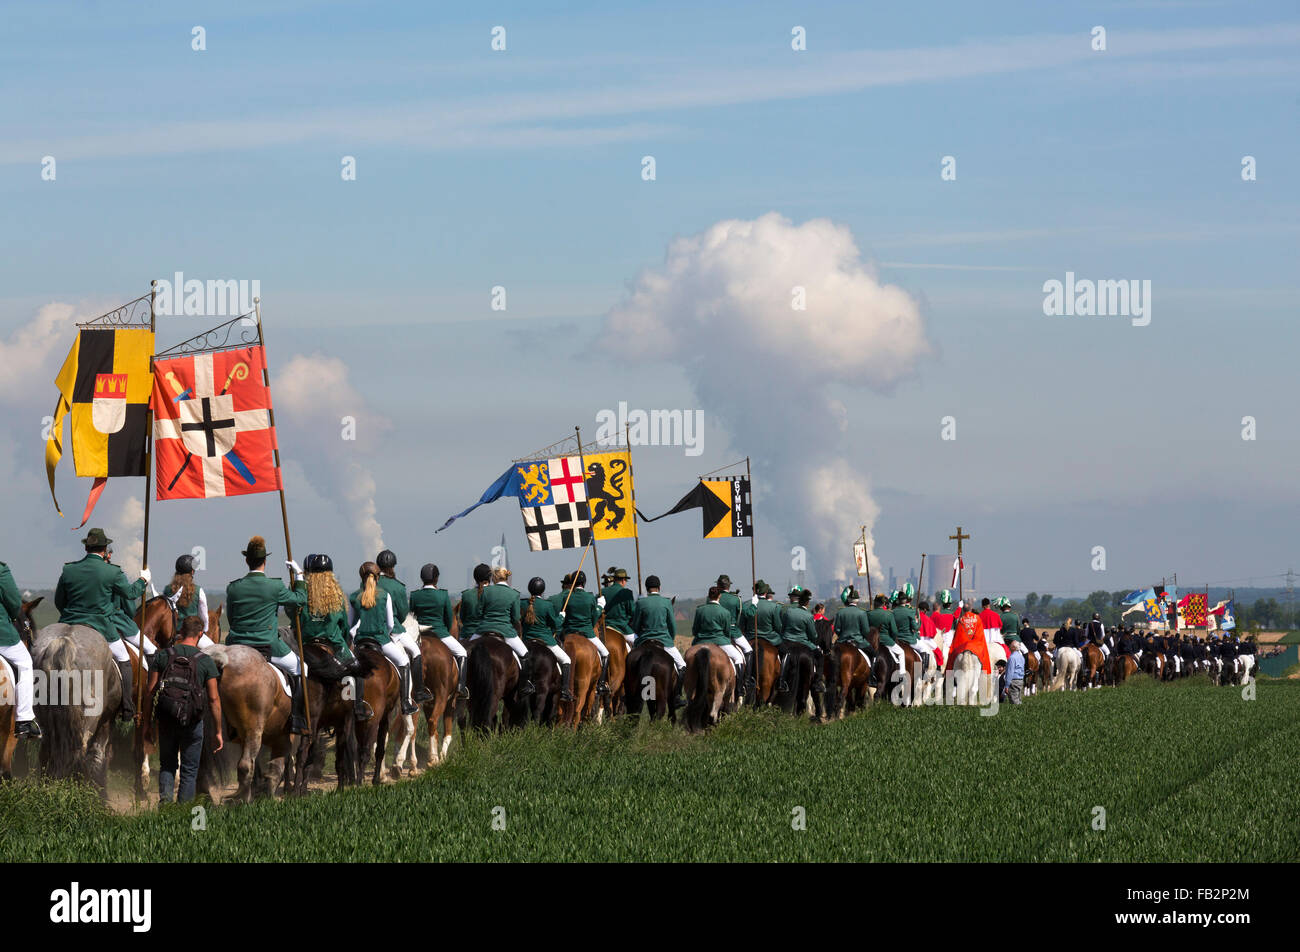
x,y
181,688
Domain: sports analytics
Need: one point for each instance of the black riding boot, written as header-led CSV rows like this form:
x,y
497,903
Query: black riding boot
x,y
127,710
421,693
783,685
602,686
749,685
29,729
679,696
461,690
297,707
361,710
525,686
408,706
819,684
566,679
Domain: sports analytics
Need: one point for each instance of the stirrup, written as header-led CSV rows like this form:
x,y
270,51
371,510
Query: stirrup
x,y
602,687
565,694
525,688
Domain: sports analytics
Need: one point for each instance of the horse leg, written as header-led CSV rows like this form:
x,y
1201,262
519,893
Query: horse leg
x,y
381,742
247,762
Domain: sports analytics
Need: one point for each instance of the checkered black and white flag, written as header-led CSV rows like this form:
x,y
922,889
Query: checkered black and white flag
x,y
560,526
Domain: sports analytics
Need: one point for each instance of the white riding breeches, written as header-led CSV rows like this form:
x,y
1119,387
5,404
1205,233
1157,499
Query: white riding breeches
x,y
897,652
630,638
600,648
677,657
408,645
118,648
1023,649
560,655
1178,663
21,659
454,646
734,654
288,664
743,644
516,645
1105,652
396,654
134,642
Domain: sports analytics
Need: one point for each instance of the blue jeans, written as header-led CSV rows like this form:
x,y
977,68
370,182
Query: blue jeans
x,y
183,744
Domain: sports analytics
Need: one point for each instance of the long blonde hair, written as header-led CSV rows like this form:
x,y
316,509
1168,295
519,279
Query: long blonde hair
x,y
324,596
500,574
369,584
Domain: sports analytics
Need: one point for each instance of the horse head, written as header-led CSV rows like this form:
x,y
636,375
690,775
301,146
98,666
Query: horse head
x,y
26,625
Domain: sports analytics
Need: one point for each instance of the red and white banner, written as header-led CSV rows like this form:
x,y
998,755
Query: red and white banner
x,y
957,566
212,428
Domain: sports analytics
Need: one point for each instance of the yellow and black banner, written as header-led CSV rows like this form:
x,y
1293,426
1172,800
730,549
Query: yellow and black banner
x,y
610,495
726,504
104,388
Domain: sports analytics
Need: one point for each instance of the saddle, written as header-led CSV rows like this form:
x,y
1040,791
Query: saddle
x,y
328,668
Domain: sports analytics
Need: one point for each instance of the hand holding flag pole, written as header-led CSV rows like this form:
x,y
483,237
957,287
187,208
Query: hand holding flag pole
x,y
573,579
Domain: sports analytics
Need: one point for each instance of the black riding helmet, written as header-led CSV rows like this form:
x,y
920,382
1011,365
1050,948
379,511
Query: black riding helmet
x,y
580,581
318,563
429,573
536,585
185,565
386,560
482,573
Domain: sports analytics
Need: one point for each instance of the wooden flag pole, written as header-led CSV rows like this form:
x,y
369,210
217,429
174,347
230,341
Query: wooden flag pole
x,y
636,536
961,568
284,511
595,558
753,576
920,580
148,479
573,579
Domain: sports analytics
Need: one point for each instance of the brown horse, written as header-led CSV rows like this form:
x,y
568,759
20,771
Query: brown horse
x,y
847,678
214,623
586,673
710,682
9,693
255,713
648,681
330,707
440,677
383,687
1094,665
1125,666
492,675
767,664
613,703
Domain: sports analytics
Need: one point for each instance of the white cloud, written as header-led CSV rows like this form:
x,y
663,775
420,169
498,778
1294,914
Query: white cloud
x,y
317,407
721,305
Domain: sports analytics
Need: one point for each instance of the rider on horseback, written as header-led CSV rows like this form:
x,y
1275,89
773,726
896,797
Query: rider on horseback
x,y
762,617
851,624
882,619
712,626
16,653
619,605
800,629
325,619
652,620
731,602
388,581
188,600
370,617
431,606
541,622
498,612
905,620
580,617
252,604
88,594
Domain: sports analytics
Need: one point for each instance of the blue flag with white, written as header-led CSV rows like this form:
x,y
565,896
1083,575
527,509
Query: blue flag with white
x,y
513,483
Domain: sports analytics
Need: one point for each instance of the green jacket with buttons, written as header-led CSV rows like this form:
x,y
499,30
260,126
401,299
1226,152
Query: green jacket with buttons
x,y
87,594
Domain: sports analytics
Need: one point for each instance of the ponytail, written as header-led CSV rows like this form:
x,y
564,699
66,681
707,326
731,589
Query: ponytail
x,y
530,613
369,584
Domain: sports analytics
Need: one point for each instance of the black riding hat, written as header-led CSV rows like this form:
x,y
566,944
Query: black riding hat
x,y
428,573
536,585
185,565
318,563
482,572
386,559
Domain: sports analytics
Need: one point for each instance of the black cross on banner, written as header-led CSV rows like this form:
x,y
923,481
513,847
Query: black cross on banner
x,y
209,426
561,526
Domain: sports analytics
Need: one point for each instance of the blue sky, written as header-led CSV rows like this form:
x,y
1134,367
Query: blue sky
x,y
522,168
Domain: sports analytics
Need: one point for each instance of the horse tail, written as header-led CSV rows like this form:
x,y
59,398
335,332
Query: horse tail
x,y
220,655
697,709
832,678
483,697
65,722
